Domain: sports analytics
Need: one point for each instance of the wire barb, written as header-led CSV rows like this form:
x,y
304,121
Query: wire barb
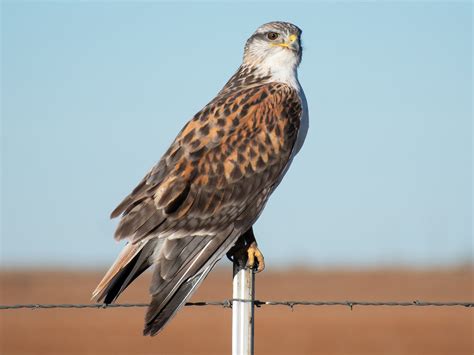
x,y
257,303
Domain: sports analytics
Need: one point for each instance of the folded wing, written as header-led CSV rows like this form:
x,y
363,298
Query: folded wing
x,y
207,190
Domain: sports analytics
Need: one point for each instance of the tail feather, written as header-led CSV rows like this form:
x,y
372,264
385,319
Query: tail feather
x,y
181,264
158,314
135,268
119,282
172,294
131,262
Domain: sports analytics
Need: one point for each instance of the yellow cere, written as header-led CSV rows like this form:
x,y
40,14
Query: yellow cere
x,y
291,39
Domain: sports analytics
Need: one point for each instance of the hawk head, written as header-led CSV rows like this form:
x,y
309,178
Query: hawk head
x,y
274,46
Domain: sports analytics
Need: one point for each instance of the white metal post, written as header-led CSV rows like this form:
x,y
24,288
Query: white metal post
x,y
243,311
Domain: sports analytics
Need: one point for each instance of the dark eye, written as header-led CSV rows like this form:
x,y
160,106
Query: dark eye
x,y
272,36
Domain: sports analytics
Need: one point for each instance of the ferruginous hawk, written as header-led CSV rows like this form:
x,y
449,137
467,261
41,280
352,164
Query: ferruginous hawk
x,y
212,184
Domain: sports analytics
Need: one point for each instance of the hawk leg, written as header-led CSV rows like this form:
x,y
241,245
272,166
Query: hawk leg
x,y
246,249
254,253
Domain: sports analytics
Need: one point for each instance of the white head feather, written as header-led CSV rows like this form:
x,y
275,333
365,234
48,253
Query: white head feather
x,y
275,50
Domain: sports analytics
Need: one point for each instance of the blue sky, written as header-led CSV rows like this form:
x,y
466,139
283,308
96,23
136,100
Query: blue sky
x,y
94,92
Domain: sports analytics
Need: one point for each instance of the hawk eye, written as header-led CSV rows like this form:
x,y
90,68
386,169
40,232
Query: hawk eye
x,y
272,36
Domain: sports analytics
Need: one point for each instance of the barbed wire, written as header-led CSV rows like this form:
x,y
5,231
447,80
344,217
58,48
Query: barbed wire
x,y
258,303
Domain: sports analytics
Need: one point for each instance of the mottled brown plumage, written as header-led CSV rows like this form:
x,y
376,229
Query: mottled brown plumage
x,y
217,166
211,185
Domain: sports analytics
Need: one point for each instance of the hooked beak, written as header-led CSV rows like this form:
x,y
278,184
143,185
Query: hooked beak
x,y
291,43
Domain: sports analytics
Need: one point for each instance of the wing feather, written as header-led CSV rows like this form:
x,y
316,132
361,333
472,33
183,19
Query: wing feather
x,y
229,153
208,189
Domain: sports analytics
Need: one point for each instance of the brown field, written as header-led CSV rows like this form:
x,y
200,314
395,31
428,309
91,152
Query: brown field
x,y
278,330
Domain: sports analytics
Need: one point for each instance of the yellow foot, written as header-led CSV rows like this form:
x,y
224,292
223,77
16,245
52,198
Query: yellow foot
x,y
254,253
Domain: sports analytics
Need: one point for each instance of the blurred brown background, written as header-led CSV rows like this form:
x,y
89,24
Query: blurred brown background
x,y
279,330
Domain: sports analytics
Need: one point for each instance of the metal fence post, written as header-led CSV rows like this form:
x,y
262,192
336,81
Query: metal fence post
x,y
243,311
